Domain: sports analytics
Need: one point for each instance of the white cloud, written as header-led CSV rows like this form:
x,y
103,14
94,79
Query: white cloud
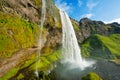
x,y
91,4
87,15
79,3
115,20
63,6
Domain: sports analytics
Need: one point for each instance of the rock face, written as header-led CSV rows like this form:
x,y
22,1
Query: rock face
x,y
89,27
31,11
19,31
99,38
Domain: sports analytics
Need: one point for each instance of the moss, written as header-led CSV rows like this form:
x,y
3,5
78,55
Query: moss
x,y
4,42
26,71
92,76
11,73
46,61
29,60
45,50
76,27
24,63
38,3
20,77
15,33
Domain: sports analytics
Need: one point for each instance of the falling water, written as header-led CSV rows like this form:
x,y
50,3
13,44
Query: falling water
x,y
43,13
71,51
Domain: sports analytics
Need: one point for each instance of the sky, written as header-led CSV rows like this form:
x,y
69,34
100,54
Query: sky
x,y
102,10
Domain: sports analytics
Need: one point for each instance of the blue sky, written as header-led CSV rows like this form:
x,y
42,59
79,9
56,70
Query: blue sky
x,y
104,10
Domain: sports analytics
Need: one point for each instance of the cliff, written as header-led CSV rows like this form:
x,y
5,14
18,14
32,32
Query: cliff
x,y
19,32
89,27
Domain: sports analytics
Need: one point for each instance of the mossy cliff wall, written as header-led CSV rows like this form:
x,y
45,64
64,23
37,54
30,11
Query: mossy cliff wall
x,y
19,33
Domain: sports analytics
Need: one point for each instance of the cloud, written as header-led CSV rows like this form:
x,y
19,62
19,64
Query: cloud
x,y
91,4
61,4
87,15
115,20
80,3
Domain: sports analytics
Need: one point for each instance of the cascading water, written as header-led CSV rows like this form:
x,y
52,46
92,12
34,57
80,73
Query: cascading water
x,y
71,51
43,13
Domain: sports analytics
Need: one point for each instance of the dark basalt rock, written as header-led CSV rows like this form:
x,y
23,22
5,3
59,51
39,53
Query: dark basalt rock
x,y
89,27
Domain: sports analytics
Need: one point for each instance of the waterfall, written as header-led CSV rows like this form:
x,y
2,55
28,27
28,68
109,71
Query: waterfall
x,y
71,51
43,13
70,46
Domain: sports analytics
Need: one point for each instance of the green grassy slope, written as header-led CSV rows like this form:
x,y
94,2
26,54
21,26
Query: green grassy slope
x,y
102,46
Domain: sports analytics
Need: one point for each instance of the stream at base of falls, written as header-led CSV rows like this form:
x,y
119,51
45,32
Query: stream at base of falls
x,y
105,69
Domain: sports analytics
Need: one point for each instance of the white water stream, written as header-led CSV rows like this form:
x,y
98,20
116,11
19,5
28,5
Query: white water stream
x,y
71,51
43,14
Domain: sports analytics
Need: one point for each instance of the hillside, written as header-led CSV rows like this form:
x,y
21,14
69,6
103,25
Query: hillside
x,y
89,27
100,46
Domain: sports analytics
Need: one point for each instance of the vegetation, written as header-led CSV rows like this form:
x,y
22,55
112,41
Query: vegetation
x,y
46,60
38,3
112,43
75,25
92,76
46,63
15,33
9,74
116,61
102,46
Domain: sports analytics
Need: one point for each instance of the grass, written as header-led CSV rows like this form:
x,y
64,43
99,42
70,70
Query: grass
x,y
112,43
102,46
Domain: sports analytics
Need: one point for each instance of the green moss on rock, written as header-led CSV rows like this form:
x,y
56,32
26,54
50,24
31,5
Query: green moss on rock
x,y
46,63
20,77
46,60
92,76
37,2
15,33
10,74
